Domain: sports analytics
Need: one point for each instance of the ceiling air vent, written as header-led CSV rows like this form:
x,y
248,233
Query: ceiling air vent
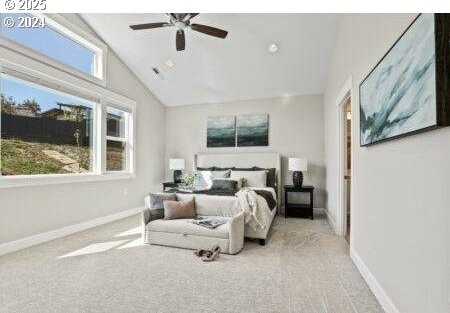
x,y
158,73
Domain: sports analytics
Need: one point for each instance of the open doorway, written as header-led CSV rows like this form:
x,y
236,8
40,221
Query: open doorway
x,y
347,108
344,154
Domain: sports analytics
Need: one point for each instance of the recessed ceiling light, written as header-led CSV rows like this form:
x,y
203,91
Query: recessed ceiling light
x,y
169,63
273,48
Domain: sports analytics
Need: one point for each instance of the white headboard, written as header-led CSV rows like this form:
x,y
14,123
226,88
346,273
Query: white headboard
x,y
243,160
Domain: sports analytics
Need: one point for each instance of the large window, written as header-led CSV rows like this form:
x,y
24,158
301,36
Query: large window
x,y
52,39
43,131
55,132
58,123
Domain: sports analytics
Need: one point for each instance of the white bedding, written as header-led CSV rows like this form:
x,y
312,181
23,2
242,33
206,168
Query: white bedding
x,y
257,212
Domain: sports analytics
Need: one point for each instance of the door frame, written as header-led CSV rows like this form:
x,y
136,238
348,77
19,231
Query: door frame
x,y
345,95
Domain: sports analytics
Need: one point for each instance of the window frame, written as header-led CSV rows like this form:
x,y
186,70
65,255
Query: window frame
x,y
65,27
12,61
128,138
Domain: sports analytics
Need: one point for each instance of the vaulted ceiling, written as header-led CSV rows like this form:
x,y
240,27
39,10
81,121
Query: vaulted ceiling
x,y
240,67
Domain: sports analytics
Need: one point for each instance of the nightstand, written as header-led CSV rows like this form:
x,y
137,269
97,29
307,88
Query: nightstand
x,y
169,185
299,209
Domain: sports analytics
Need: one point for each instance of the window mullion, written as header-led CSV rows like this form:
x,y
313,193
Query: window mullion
x,y
101,134
130,144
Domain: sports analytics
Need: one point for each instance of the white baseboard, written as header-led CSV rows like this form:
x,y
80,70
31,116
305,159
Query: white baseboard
x,y
332,223
382,297
26,242
320,211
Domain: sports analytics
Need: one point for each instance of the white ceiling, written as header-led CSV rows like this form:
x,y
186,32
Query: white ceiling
x,y
239,67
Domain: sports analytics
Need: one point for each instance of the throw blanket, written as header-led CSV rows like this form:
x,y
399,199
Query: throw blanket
x,y
256,211
268,196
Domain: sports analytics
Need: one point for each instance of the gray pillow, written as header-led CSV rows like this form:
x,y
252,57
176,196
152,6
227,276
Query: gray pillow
x,y
224,185
157,204
179,209
156,214
157,199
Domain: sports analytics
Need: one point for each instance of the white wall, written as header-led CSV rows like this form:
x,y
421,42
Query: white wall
x,y
401,198
295,129
32,210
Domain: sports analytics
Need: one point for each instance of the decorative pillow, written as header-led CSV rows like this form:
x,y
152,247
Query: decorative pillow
x,y
214,168
271,174
221,174
203,181
157,199
224,184
157,204
239,185
156,214
271,178
252,178
179,209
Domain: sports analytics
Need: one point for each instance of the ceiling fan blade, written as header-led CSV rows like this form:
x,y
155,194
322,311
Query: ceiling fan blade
x,y
189,16
180,40
208,30
149,25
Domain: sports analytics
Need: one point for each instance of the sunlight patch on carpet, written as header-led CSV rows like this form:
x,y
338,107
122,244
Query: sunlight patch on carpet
x,y
94,248
130,232
139,242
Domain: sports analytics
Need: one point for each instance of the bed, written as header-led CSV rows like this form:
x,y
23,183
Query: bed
x,y
247,160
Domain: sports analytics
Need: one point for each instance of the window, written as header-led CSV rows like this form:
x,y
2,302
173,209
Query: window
x,y
44,131
117,139
58,123
56,41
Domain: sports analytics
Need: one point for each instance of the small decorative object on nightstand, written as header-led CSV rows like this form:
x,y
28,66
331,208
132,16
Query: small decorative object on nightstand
x,y
298,209
298,165
177,165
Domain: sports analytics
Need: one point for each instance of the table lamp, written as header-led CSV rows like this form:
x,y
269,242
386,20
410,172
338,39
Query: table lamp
x,y
298,166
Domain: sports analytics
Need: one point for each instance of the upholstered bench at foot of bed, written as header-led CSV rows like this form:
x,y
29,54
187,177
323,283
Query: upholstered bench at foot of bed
x,y
182,233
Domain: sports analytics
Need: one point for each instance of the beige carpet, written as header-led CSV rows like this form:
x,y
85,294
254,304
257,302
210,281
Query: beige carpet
x,y
303,268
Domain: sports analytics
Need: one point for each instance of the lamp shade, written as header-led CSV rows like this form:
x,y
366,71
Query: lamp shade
x,y
298,164
176,164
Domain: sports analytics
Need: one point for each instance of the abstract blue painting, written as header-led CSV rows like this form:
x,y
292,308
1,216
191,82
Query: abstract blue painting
x,y
252,130
221,132
399,96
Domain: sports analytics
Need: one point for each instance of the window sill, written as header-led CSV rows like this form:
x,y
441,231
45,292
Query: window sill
x,y
41,180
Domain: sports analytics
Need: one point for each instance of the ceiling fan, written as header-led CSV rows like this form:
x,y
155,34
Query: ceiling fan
x,y
182,21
